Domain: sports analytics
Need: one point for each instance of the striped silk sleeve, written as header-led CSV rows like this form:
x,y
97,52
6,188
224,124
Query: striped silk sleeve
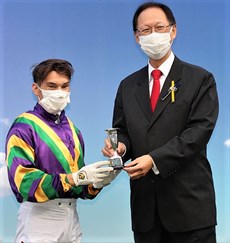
x,y
27,181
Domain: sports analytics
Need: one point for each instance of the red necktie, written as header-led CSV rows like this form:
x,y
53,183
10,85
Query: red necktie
x,y
156,88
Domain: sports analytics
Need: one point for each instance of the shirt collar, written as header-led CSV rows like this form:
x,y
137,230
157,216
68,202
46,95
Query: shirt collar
x,y
164,67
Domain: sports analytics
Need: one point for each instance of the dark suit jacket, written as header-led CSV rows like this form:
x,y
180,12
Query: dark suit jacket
x,y
175,136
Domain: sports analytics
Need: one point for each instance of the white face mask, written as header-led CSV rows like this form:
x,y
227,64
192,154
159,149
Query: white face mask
x,y
155,45
54,101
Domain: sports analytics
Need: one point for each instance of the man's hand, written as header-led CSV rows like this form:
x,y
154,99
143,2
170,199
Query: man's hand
x,y
93,173
139,167
108,150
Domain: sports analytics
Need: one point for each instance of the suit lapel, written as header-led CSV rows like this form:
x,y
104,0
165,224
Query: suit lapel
x,y
174,75
142,94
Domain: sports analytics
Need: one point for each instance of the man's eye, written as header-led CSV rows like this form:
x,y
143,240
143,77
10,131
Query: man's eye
x,y
146,30
159,27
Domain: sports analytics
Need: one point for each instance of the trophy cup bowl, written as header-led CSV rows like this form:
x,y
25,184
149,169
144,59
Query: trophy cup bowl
x,y
116,160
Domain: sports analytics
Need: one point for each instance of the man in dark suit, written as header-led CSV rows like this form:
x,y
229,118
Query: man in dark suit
x,y
172,192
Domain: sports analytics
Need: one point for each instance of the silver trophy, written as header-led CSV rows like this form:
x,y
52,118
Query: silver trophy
x,y
116,160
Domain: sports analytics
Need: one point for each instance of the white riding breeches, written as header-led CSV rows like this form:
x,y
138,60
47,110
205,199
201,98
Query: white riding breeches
x,y
49,222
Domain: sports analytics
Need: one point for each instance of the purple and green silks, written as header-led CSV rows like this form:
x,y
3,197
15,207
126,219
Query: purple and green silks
x,y
39,154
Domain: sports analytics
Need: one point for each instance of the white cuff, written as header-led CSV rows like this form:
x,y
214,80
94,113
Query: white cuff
x,y
155,170
124,151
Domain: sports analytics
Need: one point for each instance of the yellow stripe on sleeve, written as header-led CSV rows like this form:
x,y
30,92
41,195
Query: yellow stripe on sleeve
x,y
39,193
66,186
21,172
16,141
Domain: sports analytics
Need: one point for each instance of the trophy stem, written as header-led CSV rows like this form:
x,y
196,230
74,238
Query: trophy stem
x,y
116,160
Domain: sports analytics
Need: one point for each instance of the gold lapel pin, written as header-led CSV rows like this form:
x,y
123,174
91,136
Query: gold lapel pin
x,y
172,91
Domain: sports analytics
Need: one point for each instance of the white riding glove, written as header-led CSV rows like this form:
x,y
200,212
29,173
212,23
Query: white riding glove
x,y
92,173
107,180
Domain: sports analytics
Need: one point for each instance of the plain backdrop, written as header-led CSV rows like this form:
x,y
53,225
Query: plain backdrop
x,y
97,38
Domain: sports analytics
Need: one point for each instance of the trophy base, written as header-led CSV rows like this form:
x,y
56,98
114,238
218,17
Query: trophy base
x,y
116,163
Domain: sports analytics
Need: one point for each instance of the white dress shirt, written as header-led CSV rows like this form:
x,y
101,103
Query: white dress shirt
x,y
164,68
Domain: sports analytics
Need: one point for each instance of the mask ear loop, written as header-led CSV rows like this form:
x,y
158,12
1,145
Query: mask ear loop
x,y
39,89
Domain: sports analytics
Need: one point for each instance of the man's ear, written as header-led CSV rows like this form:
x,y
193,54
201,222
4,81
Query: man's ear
x,y
173,32
36,90
136,36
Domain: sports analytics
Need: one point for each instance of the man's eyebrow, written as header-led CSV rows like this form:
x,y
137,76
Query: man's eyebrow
x,y
51,82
